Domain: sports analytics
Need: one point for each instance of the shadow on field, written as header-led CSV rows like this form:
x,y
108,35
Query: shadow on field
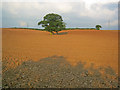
x,y
62,33
56,72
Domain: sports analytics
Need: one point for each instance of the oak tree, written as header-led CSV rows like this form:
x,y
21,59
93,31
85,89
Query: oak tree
x,y
52,23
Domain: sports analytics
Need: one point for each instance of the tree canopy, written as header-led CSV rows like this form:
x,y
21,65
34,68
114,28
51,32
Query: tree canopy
x,y
98,27
52,23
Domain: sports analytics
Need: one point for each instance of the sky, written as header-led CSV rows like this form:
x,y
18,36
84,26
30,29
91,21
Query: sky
x,y
75,13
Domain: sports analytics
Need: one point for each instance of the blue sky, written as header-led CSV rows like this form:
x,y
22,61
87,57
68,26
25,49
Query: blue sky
x,y
79,13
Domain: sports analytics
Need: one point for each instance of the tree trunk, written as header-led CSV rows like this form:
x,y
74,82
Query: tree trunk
x,y
57,32
52,33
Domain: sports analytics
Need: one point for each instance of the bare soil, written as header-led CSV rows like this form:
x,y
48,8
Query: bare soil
x,y
72,53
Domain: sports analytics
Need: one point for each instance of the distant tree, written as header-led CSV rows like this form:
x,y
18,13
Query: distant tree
x,y
52,23
98,27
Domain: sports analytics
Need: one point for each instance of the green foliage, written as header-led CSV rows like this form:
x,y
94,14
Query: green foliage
x,y
80,28
52,23
28,28
98,27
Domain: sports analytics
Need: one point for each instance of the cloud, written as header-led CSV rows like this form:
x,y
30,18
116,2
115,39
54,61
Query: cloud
x,y
22,23
112,23
89,1
63,7
0,14
99,11
111,6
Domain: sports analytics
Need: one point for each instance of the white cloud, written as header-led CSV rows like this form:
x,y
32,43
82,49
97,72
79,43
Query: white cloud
x,y
34,8
63,7
114,23
21,0
98,11
0,14
22,23
89,1
111,23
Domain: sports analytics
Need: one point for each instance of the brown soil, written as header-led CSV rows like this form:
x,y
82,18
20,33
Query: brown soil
x,y
91,46
96,48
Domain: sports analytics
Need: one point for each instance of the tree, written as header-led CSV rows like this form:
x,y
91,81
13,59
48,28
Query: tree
x,y
52,23
98,27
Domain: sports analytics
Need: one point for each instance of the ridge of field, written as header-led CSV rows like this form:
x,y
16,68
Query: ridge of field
x,y
64,29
